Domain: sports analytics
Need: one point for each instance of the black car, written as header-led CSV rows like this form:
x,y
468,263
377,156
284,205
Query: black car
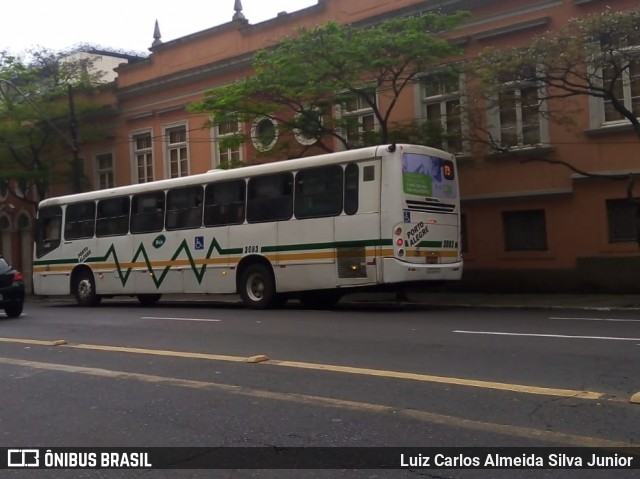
x,y
11,289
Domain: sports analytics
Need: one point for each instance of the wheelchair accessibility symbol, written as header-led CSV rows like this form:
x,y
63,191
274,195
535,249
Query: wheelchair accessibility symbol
x,y
199,242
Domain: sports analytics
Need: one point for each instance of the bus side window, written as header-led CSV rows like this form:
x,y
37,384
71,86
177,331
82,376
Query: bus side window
x,y
113,217
184,208
319,192
224,203
79,220
351,188
147,212
270,198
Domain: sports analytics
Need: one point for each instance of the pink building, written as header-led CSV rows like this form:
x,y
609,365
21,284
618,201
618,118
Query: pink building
x,y
528,226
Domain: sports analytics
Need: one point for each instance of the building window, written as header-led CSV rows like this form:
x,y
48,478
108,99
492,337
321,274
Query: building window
x,y
519,117
625,86
308,126
104,171
360,120
622,221
143,155
228,152
525,230
441,106
177,151
264,134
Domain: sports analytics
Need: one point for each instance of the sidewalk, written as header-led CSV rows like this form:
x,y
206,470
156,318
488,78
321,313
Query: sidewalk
x,y
602,302
546,301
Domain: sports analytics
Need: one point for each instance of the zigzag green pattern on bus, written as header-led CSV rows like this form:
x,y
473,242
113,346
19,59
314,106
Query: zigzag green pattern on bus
x,y
141,251
158,279
199,272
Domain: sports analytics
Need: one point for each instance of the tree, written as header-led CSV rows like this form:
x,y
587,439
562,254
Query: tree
x,y
38,121
596,56
306,79
593,56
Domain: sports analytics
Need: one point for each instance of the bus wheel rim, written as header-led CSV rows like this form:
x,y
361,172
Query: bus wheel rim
x,y
84,289
255,287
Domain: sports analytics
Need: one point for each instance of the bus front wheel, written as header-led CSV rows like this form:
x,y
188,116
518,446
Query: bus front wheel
x,y
84,289
257,287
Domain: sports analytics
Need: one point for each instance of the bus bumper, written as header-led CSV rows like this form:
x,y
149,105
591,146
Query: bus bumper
x,y
396,271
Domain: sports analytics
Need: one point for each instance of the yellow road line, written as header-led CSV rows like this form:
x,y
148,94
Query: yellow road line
x,y
517,388
29,341
444,380
358,371
307,400
159,352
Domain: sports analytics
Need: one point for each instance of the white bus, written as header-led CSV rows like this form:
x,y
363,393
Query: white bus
x,y
311,228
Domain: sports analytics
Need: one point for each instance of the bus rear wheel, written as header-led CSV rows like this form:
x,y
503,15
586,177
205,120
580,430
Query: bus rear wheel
x,y
148,299
84,289
257,287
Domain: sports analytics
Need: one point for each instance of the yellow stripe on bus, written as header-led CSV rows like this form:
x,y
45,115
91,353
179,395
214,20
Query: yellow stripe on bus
x,y
233,261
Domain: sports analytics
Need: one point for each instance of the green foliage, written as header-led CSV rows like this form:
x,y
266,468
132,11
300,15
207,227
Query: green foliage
x,y
301,80
426,133
34,117
590,56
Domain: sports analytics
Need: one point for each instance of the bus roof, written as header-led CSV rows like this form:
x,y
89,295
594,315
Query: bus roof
x,y
222,175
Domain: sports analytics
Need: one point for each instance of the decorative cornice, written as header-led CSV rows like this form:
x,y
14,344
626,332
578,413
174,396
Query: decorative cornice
x,y
517,194
204,72
536,151
603,174
609,129
513,28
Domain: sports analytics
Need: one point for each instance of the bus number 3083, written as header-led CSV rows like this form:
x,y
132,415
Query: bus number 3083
x,y
251,249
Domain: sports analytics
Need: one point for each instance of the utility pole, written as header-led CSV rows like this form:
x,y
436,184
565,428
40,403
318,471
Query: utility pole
x,y
77,170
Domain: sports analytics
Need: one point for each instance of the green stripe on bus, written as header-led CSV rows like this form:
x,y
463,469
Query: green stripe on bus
x,y
314,246
430,244
199,273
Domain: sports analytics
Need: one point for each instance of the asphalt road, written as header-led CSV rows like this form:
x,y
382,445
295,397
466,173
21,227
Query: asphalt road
x,y
210,374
